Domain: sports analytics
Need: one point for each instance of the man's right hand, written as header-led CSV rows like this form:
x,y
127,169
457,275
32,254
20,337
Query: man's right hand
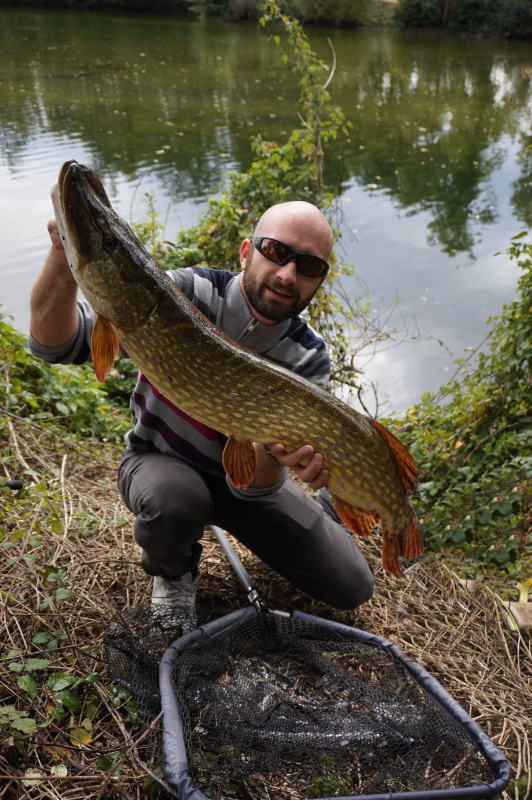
x,y
54,314
58,250
306,463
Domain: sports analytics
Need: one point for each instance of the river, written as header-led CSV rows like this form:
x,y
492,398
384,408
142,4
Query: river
x,y
432,182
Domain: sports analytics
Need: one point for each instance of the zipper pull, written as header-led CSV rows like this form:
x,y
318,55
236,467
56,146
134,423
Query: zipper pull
x,y
252,325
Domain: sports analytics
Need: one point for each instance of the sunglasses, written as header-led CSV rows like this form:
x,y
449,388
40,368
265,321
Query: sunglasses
x,y
279,253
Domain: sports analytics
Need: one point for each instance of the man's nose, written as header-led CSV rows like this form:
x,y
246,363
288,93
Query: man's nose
x,y
287,273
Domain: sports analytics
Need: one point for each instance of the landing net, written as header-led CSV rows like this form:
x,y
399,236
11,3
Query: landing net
x,y
263,705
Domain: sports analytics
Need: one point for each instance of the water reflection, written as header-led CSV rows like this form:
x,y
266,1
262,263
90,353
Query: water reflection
x,y
431,115
433,119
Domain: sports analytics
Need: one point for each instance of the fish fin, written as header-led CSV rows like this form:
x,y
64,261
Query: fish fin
x,y
104,347
356,519
390,557
410,541
406,466
239,460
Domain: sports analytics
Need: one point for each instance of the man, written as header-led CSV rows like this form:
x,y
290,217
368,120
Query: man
x,y
171,476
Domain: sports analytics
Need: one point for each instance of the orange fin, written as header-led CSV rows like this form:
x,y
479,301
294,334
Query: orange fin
x,y
356,519
410,541
239,460
406,466
104,347
390,557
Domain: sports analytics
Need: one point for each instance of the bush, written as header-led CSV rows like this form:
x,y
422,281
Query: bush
x,y
69,396
420,13
491,17
473,444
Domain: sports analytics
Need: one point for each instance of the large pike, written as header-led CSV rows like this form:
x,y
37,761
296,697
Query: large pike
x,y
221,384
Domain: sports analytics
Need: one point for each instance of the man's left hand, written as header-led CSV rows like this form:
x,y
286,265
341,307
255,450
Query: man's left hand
x,y
306,463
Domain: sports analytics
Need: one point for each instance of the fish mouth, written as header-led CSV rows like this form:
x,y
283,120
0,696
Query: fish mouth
x,y
80,204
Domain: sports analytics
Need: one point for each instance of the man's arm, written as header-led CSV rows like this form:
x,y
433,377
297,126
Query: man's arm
x,y
54,315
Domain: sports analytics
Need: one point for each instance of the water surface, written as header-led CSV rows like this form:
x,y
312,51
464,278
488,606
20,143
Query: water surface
x,y
432,182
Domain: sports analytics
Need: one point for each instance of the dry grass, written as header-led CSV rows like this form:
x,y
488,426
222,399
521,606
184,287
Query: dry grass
x,y
78,523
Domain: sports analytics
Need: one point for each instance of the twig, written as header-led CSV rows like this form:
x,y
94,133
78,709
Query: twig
x,y
333,68
133,747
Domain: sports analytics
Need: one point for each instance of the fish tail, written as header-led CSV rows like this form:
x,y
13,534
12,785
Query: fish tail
x,y
410,541
408,544
390,557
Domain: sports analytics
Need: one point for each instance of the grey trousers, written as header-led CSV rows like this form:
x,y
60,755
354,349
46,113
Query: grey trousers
x,y
295,535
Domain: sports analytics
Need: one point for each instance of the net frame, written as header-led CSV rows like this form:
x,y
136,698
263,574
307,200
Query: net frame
x,y
174,748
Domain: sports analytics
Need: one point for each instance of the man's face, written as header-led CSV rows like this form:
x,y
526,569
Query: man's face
x,y
274,292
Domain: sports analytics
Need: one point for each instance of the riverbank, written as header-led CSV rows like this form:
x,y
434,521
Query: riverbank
x,y
71,566
505,19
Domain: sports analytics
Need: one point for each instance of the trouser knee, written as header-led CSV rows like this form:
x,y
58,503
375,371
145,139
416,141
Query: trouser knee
x,y
349,597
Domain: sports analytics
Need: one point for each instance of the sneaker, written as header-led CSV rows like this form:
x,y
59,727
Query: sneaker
x,y
179,594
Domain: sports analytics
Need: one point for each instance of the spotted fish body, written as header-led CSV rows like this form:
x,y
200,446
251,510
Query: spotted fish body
x,y
222,384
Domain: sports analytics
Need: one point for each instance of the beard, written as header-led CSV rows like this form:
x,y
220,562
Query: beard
x,y
269,307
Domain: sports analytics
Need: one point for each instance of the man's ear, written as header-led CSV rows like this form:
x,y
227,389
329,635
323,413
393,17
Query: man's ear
x,y
245,247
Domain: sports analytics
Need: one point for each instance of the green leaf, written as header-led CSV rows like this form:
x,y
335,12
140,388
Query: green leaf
x,y
36,663
16,667
27,684
24,724
103,763
61,593
15,653
59,681
42,638
69,699
502,557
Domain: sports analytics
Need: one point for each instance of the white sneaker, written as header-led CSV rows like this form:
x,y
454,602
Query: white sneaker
x,y
179,594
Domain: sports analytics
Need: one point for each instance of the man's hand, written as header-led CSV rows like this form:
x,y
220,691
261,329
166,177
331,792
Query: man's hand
x,y
54,316
307,464
57,255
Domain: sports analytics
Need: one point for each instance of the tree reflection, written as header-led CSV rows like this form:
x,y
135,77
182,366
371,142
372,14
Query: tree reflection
x,y
433,117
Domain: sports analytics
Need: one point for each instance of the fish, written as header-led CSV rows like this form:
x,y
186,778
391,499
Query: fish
x,y
222,384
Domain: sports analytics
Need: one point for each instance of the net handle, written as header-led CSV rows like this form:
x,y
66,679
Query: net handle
x,y
239,569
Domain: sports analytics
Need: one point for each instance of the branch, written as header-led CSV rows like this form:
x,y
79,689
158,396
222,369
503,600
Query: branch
x,y
333,68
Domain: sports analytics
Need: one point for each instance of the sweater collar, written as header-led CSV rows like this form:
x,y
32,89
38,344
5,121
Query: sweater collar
x,y
240,325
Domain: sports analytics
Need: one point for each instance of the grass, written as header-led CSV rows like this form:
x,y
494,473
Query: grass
x,y
71,564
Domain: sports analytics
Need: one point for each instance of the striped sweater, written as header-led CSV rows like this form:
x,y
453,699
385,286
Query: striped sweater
x,y
158,423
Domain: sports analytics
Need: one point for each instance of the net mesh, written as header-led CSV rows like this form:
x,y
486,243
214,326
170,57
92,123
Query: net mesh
x,y
288,708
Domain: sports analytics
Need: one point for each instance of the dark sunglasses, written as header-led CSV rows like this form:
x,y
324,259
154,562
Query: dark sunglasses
x,y
279,253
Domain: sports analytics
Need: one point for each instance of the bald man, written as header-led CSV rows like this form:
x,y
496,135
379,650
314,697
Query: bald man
x,y
171,475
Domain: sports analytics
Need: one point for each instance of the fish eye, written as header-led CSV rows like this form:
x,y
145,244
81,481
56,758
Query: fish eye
x,y
109,243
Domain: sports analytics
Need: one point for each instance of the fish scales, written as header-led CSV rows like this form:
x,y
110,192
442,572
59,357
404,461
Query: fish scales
x,y
222,384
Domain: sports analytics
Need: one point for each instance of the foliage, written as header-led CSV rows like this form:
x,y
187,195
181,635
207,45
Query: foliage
x,y
132,6
338,12
473,444
49,394
492,17
420,13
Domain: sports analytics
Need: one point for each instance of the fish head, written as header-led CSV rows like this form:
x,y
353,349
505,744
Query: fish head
x,y
110,265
